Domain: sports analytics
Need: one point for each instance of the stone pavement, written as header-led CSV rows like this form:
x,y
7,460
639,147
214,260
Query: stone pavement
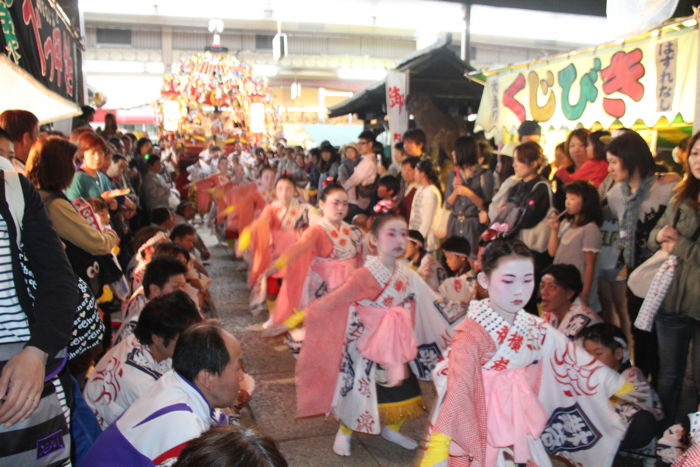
x,y
304,442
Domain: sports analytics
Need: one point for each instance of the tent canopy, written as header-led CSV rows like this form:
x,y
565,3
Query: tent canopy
x,y
436,71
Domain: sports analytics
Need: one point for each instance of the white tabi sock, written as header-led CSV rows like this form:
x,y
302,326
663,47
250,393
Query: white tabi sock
x,y
397,438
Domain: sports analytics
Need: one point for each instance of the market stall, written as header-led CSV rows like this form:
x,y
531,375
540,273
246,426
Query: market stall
x,y
647,83
40,63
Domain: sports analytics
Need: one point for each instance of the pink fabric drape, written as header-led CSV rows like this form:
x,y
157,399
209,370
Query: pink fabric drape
x,y
513,410
388,340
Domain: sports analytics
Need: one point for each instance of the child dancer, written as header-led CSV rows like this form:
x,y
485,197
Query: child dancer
x,y
359,339
320,261
513,383
280,224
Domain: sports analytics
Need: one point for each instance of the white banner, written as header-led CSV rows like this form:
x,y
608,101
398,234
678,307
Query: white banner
x,y
396,100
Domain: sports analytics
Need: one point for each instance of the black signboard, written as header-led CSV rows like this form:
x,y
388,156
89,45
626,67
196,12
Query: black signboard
x,y
35,37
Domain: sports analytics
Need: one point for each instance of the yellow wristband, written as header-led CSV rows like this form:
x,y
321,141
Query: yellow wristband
x,y
280,263
296,319
438,450
244,240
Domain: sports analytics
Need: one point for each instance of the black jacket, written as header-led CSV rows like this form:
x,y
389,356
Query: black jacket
x,y
52,311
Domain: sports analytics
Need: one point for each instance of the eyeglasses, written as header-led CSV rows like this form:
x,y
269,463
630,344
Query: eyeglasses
x,y
362,142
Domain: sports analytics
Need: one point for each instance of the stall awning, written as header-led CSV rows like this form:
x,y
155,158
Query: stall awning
x,y
21,91
646,81
40,63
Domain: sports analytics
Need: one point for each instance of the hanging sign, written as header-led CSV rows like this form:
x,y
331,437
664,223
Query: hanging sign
x,y
35,37
644,80
396,99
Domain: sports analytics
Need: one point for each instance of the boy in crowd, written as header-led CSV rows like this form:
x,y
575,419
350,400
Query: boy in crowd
x,y
414,143
607,344
129,368
388,189
162,276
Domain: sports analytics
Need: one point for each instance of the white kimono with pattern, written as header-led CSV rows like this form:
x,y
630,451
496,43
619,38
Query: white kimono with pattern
x,y
355,400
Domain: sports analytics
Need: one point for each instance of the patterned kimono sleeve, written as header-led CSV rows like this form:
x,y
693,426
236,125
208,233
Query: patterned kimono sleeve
x,y
361,285
433,327
322,352
462,414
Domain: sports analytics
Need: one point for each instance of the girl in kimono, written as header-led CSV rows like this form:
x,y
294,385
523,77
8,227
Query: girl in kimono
x,y
362,337
514,388
320,261
279,226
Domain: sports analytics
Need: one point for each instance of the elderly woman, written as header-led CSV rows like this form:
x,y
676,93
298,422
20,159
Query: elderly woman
x,y
50,168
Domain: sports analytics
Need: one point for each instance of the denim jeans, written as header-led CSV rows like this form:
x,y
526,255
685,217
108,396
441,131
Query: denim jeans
x,y
675,333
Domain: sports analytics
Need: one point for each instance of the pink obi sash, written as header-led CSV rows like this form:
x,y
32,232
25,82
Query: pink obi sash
x,y
513,411
388,340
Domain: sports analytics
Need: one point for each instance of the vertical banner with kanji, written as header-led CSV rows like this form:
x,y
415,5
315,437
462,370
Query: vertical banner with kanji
x,y
651,80
36,38
396,100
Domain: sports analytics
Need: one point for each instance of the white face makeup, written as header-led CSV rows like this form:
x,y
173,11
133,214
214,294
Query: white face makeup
x,y
510,285
335,207
392,238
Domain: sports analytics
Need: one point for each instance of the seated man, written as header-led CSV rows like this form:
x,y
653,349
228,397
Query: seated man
x,y
128,369
162,276
559,289
178,407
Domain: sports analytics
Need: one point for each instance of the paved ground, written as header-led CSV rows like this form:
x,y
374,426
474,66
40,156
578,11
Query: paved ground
x,y
304,442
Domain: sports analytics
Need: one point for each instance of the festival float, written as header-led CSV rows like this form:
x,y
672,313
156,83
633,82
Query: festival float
x,y
214,98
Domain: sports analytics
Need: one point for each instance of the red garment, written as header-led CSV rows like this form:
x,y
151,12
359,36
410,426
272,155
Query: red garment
x,y
313,242
406,202
465,399
594,171
320,357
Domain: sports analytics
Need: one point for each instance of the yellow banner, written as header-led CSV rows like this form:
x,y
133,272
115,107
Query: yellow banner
x,y
647,79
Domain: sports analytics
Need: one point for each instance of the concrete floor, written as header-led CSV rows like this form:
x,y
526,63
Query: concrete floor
x,y
304,442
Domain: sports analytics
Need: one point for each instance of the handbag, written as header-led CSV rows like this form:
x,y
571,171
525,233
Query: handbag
x,y
641,277
441,221
537,237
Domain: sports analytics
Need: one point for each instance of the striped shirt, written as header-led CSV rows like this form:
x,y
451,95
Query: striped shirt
x,y
14,326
